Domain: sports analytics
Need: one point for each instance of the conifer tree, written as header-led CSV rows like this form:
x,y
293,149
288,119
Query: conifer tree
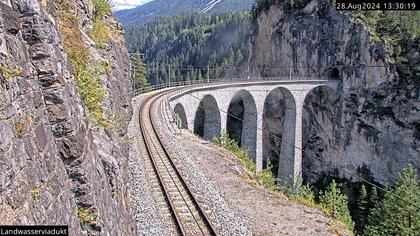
x,y
139,71
373,198
394,216
362,209
336,203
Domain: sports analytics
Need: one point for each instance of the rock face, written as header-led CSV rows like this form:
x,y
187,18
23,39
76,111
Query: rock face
x,y
57,165
374,117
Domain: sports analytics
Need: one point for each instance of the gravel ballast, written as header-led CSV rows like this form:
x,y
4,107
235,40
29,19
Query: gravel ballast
x,y
144,205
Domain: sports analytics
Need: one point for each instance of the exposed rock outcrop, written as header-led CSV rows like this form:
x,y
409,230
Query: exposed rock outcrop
x,y
375,117
57,164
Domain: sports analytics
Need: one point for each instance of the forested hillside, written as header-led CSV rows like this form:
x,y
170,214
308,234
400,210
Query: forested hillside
x,y
173,46
146,13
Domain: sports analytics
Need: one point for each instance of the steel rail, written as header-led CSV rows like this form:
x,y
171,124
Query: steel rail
x,y
155,157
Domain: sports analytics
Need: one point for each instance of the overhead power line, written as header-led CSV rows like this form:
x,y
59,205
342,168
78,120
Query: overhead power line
x,y
351,173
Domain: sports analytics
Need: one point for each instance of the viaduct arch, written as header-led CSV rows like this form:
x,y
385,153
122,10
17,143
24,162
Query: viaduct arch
x,y
215,101
180,113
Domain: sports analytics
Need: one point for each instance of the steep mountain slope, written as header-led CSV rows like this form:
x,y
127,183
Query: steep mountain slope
x,y
64,110
373,118
147,12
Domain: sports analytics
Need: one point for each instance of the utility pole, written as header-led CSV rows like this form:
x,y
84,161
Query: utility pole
x,y
248,71
169,76
208,74
290,73
157,73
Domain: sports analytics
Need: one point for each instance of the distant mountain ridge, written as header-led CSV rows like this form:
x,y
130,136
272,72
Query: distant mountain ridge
x,y
147,12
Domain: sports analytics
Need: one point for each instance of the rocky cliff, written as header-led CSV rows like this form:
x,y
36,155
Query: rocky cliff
x,y
64,110
373,118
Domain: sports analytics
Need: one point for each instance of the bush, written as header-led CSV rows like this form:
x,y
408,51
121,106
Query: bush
x,y
85,217
35,193
8,73
264,178
20,129
86,73
306,195
92,93
99,33
102,7
231,145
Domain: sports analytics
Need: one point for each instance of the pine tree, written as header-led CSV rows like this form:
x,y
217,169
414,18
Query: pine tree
x,y
392,216
139,71
362,209
336,203
373,198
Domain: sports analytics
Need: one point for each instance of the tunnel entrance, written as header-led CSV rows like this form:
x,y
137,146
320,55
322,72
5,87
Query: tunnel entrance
x,y
242,121
207,123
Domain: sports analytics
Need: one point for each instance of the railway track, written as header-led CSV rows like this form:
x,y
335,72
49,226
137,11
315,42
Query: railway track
x,y
177,203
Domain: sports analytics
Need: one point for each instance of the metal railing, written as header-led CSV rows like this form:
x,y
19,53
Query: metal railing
x,y
222,80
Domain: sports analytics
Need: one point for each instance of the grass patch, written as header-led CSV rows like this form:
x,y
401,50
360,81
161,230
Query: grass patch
x,y
35,193
8,73
20,129
99,34
333,203
92,93
86,73
264,178
85,216
102,7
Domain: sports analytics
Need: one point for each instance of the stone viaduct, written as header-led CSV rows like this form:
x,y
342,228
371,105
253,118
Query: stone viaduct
x,y
215,100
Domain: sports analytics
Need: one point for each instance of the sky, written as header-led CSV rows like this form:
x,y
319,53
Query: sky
x,y
126,4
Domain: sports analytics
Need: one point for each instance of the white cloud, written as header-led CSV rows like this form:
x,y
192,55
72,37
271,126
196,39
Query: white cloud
x,y
127,4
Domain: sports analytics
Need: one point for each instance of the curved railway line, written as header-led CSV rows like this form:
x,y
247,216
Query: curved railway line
x,y
177,202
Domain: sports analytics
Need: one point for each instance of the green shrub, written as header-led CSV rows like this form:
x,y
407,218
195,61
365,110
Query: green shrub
x,y
85,72
264,178
305,195
35,193
102,7
8,73
20,129
231,145
99,33
85,216
178,121
92,93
